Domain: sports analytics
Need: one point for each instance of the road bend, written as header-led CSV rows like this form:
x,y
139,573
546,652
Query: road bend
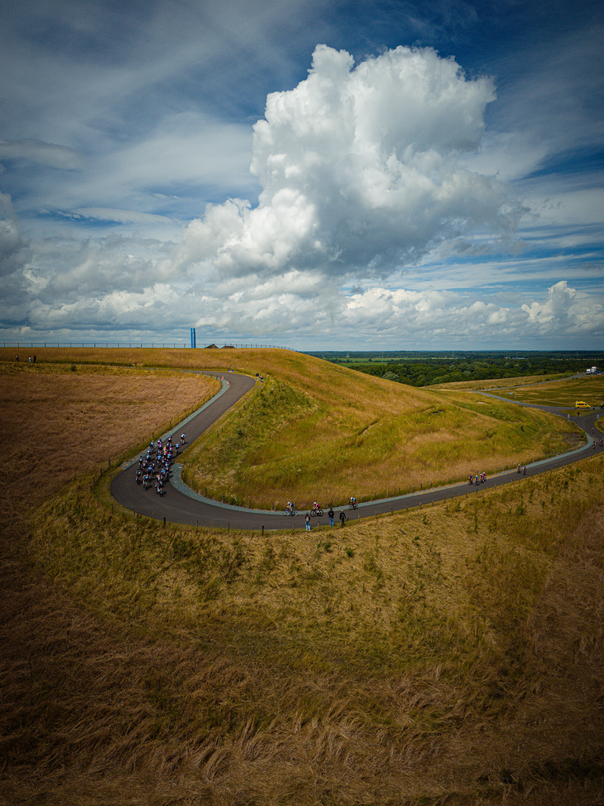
x,y
182,505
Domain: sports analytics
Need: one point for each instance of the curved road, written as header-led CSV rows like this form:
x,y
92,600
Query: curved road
x,y
182,505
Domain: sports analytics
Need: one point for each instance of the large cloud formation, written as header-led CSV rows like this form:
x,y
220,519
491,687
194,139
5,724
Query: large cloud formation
x,y
463,318
360,172
369,178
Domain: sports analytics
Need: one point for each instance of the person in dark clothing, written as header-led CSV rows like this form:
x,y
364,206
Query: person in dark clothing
x,y
342,517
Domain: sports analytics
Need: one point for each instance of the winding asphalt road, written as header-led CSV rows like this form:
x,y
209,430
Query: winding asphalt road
x,y
182,505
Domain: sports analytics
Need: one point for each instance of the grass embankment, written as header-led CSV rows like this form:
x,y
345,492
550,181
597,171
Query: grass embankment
x,y
58,422
565,392
318,432
495,383
450,654
241,360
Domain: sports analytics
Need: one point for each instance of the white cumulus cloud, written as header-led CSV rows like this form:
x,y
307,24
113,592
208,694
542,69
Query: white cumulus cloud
x,y
566,310
381,191
361,172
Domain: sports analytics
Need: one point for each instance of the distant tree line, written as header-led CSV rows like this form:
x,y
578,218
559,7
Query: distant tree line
x,y
470,367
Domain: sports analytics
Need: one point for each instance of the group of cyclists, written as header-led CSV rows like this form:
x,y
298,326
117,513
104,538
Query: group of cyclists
x,y
154,466
316,510
154,470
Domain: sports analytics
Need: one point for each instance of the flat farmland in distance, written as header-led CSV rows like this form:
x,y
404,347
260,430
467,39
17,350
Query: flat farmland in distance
x,y
564,392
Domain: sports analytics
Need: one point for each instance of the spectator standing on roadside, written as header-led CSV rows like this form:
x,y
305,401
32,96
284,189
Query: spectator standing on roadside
x,y
307,521
330,514
342,517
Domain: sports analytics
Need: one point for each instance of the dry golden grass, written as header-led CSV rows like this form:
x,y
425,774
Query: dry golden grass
x,y
56,424
564,392
452,654
546,390
307,451
493,383
400,658
350,433
241,360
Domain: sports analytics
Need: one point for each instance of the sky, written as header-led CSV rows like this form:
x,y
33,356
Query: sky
x,y
312,174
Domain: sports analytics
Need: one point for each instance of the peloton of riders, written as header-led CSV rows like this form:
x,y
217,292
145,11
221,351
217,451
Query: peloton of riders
x,y
155,465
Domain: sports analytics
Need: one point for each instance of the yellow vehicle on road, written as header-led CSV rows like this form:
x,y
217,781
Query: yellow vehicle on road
x,y
581,404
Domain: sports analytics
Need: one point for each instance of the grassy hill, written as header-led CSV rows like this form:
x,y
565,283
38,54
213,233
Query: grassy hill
x,y
451,654
316,431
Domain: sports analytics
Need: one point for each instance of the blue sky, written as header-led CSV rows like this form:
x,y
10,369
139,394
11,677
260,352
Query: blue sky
x,y
317,174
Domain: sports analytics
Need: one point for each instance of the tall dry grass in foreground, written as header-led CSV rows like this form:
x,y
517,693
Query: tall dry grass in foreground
x,y
452,654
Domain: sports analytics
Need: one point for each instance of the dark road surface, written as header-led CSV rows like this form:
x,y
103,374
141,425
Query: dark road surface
x,y
181,505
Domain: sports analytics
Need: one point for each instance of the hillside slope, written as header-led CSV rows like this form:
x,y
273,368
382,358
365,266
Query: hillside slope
x,y
316,431
453,654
